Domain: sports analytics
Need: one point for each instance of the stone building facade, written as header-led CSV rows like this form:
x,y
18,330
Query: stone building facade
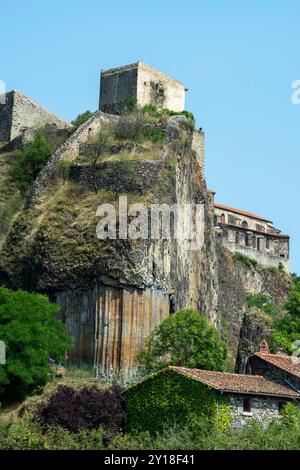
x,y
251,235
19,113
142,83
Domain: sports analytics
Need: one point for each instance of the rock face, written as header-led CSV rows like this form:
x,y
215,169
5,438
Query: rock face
x,y
114,292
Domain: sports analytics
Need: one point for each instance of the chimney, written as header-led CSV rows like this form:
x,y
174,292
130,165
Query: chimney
x,y
264,348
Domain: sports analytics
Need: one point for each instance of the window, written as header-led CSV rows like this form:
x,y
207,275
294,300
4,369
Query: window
x,y
254,242
223,219
247,239
231,220
258,244
246,405
244,224
267,243
281,405
237,237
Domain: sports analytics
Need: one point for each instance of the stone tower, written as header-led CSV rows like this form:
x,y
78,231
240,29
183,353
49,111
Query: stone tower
x,y
142,83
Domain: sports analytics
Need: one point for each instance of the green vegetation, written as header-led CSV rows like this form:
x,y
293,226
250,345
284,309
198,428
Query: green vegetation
x,y
26,433
82,118
32,335
287,329
8,211
262,302
249,262
185,339
28,162
167,398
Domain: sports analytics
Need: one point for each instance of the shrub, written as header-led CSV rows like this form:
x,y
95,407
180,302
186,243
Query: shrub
x,y
263,302
32,335
185,339
8,210
287,329
29,161
82,118
86,408
245,260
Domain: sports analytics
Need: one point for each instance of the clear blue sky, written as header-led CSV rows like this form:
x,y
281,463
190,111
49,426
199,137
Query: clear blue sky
x,y
238,59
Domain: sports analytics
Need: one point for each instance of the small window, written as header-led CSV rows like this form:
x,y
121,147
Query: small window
x,y
281,405
245,224
223,219
237,238
267,243
246,405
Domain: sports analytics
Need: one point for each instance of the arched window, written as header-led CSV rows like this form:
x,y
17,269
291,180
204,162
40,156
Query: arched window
x,y
237,237
223,219
245,224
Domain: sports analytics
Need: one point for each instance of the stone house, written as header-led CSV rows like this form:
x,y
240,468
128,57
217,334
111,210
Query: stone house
x,y
279,367
244,397
251,235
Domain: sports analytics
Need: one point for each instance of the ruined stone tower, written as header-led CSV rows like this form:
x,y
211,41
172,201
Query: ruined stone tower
x,y
19,113
142,83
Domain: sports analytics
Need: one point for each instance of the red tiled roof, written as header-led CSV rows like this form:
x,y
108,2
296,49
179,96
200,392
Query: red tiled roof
x,y
238,383
288,364
237,211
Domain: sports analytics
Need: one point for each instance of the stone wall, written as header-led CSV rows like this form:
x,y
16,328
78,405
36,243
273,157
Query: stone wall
x,y
142,83
120,176
69,151
27,114
263,256
262,410
198,146
6,116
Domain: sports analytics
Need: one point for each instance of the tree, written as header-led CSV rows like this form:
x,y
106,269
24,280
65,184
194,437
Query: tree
x,y
185,339
82,118
287,329
29,161
32,334
102,145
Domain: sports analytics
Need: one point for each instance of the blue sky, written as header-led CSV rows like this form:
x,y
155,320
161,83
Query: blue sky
x,y
238,60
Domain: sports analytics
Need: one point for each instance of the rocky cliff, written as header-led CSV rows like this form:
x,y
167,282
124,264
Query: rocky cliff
x,y
114,292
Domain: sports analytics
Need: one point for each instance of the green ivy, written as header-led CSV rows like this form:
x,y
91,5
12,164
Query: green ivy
x,y
167,399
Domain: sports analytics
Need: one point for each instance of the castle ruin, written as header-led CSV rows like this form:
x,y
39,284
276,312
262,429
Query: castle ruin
x,y
140,83
19,114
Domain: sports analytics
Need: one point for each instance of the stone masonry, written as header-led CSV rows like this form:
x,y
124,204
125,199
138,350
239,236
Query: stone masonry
x,y
19,113
142,83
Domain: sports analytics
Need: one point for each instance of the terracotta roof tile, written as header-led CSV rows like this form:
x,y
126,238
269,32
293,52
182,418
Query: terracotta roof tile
x,y
238,383
288,364
237,211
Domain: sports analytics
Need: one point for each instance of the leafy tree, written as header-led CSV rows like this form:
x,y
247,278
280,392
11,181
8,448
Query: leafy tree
x,y
287,329
28,162
32,335
82,118
185,339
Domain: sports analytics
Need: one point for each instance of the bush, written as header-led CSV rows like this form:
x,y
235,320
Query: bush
x,y
249,262
87,408
32,335
263,302
29,161
185,339
82,118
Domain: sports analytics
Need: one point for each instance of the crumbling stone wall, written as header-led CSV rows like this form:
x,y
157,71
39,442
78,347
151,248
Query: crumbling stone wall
x,y
119,176
20,113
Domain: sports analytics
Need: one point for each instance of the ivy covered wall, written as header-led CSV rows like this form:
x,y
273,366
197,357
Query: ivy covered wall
x,y
167,398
